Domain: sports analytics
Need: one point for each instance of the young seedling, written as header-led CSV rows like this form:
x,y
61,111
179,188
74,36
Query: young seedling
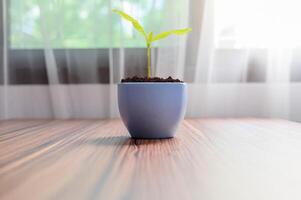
x,y
149,38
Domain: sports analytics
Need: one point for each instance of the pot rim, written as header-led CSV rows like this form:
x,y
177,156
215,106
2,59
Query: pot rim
x,y
152,83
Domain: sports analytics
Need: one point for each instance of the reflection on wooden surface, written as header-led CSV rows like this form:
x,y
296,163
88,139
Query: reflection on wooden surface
x,y
96,159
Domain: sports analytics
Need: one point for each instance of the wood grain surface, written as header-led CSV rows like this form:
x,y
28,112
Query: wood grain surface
x,y
209,159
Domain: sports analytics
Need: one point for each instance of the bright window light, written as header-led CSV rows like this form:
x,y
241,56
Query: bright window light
x,y
257,23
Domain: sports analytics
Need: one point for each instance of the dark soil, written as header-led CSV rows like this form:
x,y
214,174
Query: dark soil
x,y
151,79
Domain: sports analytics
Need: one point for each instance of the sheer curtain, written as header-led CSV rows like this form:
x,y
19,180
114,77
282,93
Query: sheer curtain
x,y
240,60
247,54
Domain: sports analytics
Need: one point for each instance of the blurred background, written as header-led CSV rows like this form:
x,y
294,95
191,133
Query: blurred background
x,y
63,58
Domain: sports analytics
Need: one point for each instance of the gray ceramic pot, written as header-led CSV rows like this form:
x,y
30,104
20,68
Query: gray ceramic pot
x,y
152,110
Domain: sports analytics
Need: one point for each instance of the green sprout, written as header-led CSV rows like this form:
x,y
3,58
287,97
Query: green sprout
x,y
149,38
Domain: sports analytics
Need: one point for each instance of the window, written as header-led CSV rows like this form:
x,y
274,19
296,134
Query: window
x,y
77,31
79,24
257,23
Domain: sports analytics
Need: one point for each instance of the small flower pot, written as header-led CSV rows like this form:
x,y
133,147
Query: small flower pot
x,y
152,110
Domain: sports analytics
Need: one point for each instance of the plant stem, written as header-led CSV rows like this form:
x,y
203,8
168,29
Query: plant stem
x,y
148,61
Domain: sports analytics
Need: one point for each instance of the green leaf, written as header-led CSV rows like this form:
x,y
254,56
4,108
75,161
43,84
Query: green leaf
x,y
149,38
135,23
168,33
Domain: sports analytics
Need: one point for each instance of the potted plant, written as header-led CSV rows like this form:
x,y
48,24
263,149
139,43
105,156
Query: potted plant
x,y
151,107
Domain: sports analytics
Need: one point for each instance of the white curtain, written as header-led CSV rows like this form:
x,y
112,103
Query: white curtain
x,y
240,60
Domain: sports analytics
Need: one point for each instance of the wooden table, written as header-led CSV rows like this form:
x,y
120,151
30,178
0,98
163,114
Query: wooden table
x,y
92,159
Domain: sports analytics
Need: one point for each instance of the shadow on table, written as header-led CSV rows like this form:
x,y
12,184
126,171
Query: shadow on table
x,y
123,140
